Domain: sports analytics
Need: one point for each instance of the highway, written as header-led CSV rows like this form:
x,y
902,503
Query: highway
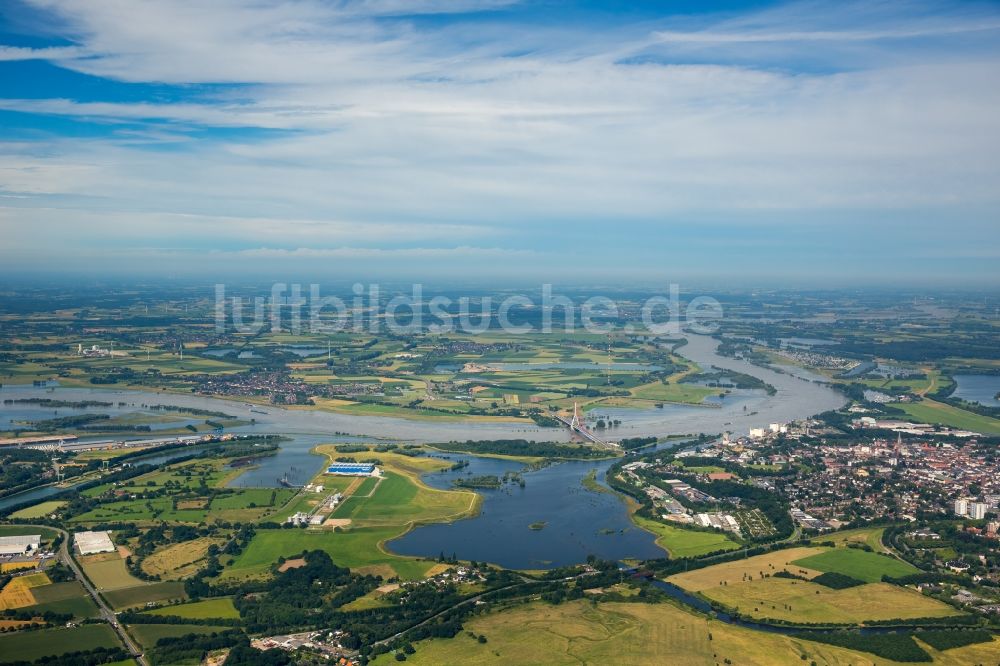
x,y
108,615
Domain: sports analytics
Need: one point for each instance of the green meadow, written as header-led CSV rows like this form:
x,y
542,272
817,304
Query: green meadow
x,y
856,563
148,634
220,608
32,645
680,542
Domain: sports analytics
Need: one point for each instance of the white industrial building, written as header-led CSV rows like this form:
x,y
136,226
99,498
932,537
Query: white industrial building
x,y
89,543
19,545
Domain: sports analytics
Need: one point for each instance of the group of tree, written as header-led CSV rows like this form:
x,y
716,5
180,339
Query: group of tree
x,y
522,447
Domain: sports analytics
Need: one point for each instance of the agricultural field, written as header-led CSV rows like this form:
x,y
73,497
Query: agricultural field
x,y
804,602
201,497
680,542
179,560
39,510
32,645
624,633
747,569
148,634
683,393
80,608
19,592
130,597
751,587
18,530
252,498
856,563
53,592
220,608
9,567
303,502
107,571
378,510
361,549
930,411
870,536
492,377
34,593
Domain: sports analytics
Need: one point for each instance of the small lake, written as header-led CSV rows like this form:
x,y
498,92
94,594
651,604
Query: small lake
x,y
223,351
978,388
304,352
577,522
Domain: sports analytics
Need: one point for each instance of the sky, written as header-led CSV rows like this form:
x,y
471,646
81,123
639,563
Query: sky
x,y
804,143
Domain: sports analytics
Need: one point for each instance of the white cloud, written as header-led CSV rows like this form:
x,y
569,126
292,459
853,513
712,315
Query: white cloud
x,y
437,137
11,53
36,227
362,253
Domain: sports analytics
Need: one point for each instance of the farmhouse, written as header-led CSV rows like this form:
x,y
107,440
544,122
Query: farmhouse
x,y
19,545
352,469
89,543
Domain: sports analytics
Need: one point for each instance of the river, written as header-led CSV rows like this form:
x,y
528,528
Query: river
x,y
795,398
575,522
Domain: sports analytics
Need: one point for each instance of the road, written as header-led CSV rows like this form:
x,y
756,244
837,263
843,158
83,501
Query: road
x,y
108,615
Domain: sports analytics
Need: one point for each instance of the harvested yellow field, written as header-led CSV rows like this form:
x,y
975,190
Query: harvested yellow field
x,y
576,633
16,566
17,593
801,601
437,569
980,653
754,568
178,560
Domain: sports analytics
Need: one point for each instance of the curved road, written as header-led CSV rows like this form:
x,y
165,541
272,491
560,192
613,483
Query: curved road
x,y
108,615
